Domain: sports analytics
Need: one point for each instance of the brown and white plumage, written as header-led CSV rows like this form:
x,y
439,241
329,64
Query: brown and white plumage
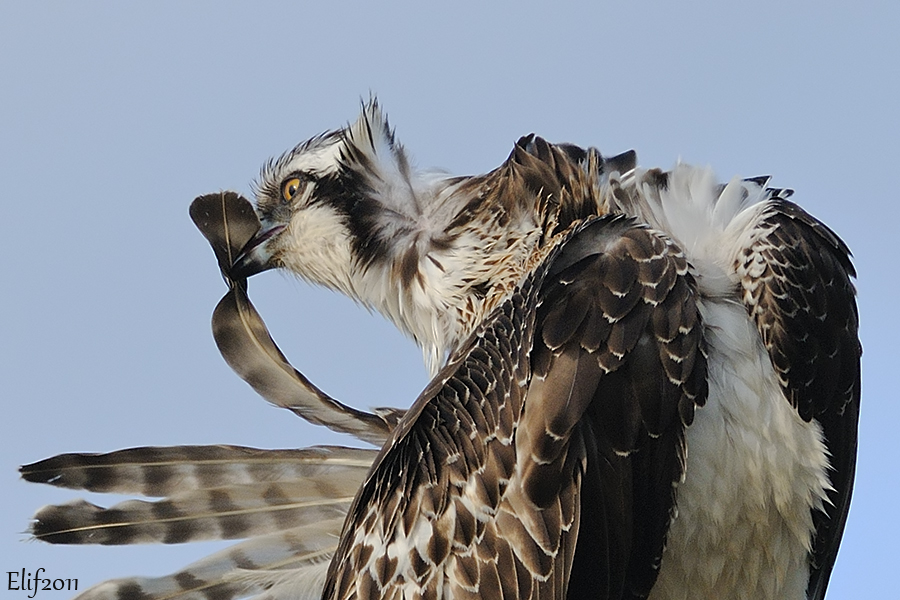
x,y
646,383
505,479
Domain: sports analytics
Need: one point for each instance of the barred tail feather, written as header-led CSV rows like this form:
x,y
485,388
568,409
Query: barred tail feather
x,y
289,504
272,566
215,492
223,513
158,472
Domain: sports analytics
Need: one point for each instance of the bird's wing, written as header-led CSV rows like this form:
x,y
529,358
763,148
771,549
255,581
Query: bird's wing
x,y
544,457
288,504
796,279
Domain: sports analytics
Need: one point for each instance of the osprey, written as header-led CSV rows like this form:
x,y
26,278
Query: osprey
x,y
645,385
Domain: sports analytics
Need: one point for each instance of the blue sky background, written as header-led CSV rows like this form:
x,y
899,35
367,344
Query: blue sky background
x,y
113,117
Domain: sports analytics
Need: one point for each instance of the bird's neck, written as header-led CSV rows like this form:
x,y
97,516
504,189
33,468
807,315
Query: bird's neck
x,y
439,295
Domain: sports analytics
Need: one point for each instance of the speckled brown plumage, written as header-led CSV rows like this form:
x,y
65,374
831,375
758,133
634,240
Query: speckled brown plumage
x,y
492,463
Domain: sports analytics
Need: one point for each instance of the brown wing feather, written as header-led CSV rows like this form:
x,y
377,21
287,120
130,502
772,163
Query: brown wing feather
x,y
619,368
441,499
796,277
544,456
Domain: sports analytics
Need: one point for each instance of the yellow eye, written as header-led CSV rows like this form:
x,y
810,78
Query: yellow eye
x,y
289,188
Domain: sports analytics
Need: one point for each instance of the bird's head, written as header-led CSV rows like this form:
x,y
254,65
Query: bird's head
x,y
302,225
332,207
346,211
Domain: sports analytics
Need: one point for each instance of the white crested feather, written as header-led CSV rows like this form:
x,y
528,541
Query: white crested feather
x,y
692,207
394,184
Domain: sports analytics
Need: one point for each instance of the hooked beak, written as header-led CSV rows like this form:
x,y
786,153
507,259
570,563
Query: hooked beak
x,y
255,256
